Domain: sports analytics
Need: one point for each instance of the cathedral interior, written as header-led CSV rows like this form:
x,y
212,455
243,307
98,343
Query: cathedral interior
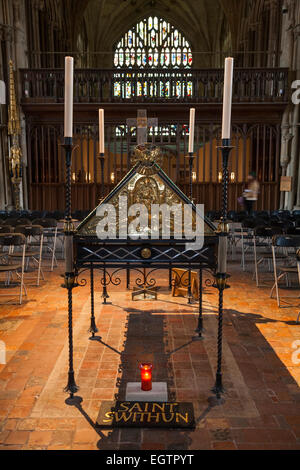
x,y
149,60
262,36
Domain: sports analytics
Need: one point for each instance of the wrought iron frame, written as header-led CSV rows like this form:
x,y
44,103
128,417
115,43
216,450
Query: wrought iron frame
x,y
109,278
196,260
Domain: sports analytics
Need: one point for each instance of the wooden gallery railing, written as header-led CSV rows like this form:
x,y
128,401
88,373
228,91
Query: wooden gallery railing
x,y
155,85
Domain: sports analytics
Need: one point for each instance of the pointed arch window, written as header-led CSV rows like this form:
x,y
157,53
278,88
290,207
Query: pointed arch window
x,y
153,44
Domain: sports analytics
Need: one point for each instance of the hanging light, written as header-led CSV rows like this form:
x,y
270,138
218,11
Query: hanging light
x,y
220,177
112,177
194,176
232,177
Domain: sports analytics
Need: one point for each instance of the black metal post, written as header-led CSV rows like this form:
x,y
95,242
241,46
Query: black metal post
x,y
93,328
221,275
104,293
127,278
191,162
199,328
69,270
190,295
101,158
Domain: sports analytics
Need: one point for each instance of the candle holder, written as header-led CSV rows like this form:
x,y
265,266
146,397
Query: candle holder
x,y
69,267
101,159
93,328
146,376
221,275
191,157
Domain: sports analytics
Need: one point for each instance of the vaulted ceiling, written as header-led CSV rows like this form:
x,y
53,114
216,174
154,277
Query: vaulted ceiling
x,y
211,26
208,25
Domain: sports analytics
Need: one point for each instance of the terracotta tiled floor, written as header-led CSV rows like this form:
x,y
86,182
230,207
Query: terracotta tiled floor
x,y
262,399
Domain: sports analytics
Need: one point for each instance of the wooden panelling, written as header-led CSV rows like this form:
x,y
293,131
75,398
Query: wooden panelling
x,y
256,148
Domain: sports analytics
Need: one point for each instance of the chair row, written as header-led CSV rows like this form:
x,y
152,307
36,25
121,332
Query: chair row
x,y
32,215
38,234
279,252
18,250
280,215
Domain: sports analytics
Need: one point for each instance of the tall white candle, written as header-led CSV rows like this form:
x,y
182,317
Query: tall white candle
x,y
69,83
227,98
101,130
192,130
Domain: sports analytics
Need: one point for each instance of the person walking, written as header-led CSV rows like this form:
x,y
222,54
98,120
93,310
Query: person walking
x,y
251,192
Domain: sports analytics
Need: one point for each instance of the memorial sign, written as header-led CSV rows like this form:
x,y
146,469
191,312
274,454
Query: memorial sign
x,y
146,415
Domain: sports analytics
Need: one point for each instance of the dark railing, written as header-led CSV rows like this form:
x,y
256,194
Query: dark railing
x,y
251,85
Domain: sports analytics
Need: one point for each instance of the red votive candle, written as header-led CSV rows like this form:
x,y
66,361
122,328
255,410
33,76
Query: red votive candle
x,y
146,376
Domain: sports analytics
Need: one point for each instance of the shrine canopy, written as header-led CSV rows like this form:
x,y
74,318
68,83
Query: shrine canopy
x,y
147,184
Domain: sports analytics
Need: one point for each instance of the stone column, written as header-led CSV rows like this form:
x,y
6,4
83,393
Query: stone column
x,y
258,59
288,58
36,6
285,154
3,142
6,31
294,165
294,162
272,33
20,46
297,67
20,43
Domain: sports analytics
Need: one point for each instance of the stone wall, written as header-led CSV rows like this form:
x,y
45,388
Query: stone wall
x,y
13,39
290,57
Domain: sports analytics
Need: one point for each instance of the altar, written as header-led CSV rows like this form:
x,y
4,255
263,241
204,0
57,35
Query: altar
x,y
164,246
114,237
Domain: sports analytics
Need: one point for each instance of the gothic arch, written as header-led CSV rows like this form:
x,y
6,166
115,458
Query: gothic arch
x,y
153,42
203,24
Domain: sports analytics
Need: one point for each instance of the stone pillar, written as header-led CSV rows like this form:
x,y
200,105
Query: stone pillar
x,y
20,46
294,167
297,67
273,27
6,32
285,154
290,132
258,59
36,6
20,43
3,141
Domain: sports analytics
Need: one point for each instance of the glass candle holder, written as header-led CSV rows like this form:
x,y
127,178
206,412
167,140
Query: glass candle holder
x,y
146,376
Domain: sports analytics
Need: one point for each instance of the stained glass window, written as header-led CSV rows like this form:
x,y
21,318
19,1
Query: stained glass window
x,y
150,44
156,39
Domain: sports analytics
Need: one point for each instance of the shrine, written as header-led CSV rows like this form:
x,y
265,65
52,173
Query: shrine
x,y
149,228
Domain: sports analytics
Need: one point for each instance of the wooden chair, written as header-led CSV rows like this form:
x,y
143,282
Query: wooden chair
x,y
180,283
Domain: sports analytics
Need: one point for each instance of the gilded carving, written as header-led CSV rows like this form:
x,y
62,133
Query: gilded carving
x,y
145,187
14,130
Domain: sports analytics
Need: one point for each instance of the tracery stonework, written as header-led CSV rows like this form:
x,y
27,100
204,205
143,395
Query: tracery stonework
x,y
153,43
